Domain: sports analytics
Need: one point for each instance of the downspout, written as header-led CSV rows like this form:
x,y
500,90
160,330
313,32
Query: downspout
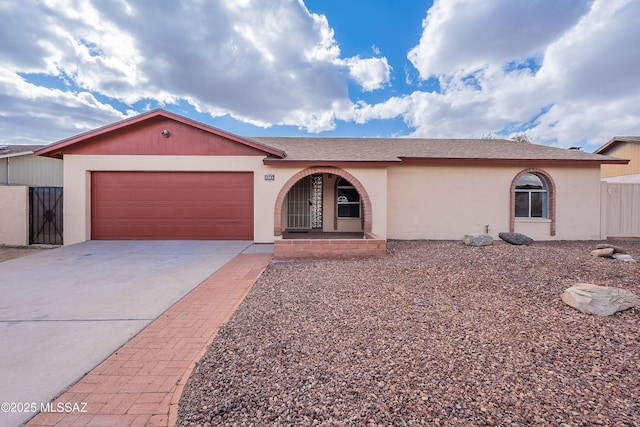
x,y
8,174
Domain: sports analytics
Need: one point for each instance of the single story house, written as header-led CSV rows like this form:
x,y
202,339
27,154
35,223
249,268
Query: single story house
x,y
163,176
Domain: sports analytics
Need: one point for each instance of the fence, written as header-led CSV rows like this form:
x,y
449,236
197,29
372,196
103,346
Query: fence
x,y
621,209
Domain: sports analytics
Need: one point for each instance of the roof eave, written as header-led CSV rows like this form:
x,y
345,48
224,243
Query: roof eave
x,y
334,163
493,161
21,153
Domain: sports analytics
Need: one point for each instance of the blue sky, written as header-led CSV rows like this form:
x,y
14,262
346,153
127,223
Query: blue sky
x,y
563,72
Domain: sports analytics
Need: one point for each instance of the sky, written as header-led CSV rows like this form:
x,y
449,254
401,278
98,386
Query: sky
x,y
563,72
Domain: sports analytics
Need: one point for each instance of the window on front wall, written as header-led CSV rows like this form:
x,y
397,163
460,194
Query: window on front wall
x,y
348,200
532,196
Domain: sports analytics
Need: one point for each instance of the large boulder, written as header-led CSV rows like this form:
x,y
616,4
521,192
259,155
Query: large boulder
x,y
516,238
600,300
616,249
478,240
604,252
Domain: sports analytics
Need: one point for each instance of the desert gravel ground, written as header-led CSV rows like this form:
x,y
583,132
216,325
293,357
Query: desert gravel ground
x,y
435,333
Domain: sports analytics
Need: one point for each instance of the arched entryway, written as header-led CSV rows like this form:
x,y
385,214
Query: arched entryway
x,y
365,201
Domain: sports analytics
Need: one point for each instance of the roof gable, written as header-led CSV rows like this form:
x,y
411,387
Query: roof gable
x,y
158,133
616,141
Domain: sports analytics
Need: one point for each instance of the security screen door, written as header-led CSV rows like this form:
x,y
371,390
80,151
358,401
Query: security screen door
x,y
304,204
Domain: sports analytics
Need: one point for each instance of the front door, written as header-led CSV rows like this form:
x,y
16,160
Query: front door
x,y
304,204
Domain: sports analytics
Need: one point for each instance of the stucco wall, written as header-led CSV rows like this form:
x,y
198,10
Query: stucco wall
x,y
447,202
14,215
408,202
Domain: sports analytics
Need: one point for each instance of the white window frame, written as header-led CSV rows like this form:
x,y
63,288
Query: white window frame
x,y
341,203
529,191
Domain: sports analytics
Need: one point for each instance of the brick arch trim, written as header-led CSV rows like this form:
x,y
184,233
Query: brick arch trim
x,y
364,197
551,198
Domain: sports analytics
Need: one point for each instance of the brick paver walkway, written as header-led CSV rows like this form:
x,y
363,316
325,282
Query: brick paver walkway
x,y
141,383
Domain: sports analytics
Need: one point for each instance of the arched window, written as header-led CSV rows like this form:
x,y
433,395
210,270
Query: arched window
x,y
532,196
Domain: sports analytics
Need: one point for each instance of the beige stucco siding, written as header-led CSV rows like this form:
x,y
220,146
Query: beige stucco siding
x,y
447,202
14,215
439,202
577,203
408,202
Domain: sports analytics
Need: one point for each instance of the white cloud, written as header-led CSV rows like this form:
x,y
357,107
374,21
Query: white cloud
x,y
370,73
563,71
34,114
465,35
268,62
584,89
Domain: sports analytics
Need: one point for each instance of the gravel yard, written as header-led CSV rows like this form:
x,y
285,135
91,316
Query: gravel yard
x,y
435,333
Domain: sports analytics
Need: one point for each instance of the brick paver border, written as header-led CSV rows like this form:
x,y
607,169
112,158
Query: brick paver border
x,y
141,383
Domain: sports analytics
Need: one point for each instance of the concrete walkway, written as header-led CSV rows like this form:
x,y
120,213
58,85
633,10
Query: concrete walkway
x,y
141,383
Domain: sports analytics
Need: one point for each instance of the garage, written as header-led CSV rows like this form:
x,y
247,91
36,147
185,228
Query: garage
x,y
131,205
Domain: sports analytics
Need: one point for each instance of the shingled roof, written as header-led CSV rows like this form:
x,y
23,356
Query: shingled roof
x,y
394,150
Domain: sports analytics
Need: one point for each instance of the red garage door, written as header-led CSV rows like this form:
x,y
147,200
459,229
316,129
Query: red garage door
x,y
171,206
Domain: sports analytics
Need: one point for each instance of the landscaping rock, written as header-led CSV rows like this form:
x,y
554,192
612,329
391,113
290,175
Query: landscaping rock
x,y
623,257
616,249
601,300
605,253
516,238
478,240
434,334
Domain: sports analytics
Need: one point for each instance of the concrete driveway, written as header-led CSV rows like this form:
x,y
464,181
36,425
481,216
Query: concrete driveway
x,y
63,311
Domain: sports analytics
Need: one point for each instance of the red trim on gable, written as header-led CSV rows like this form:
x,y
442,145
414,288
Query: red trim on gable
x,y
141,135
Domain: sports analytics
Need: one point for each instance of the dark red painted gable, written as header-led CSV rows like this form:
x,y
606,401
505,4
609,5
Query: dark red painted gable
x,y
145,135
146,139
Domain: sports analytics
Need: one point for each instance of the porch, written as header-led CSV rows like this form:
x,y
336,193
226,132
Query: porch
x,y
329,245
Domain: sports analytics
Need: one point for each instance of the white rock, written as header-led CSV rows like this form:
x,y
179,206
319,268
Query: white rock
x,y
600,300
623,257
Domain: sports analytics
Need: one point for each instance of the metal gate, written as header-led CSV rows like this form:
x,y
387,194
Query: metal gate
x,y
45,215
304,204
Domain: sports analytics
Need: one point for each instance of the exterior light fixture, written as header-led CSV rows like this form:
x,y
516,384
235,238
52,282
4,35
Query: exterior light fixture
x,y
165,133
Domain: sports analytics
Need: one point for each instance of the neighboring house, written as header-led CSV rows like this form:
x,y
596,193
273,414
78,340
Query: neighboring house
x,y
162,176
30,196
626,147
19,166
